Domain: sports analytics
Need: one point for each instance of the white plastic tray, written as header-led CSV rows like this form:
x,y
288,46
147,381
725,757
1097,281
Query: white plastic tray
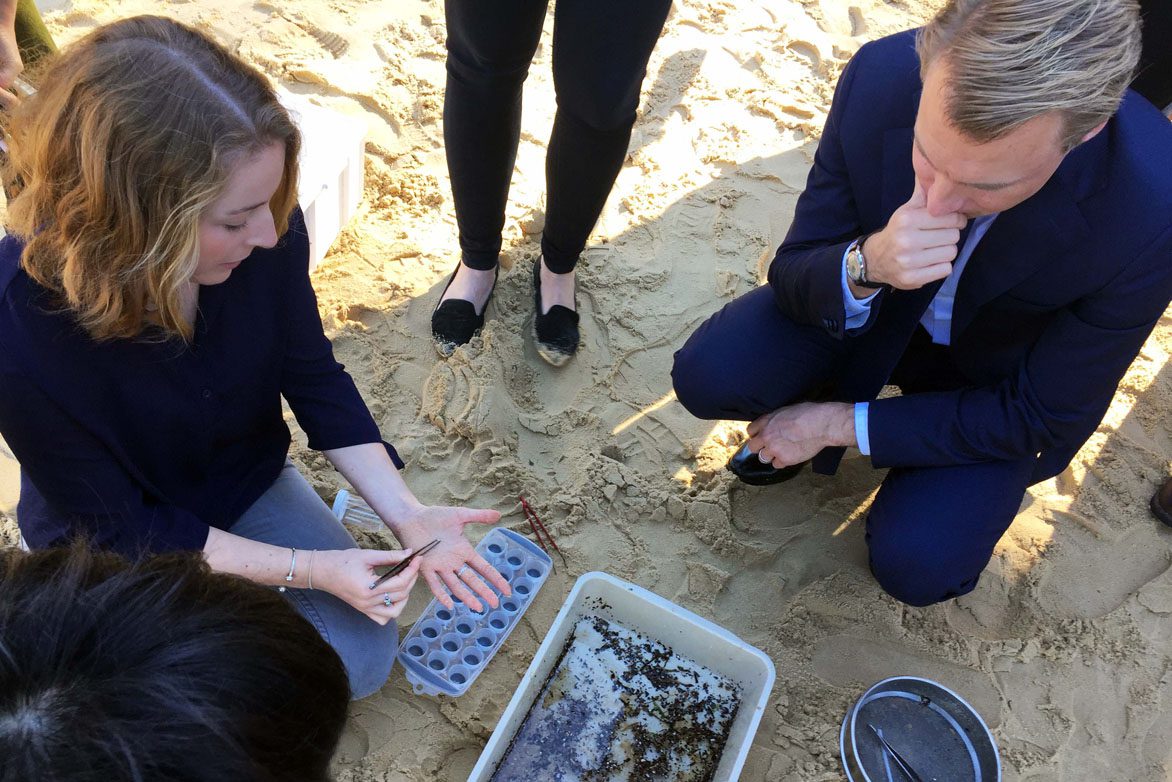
x,y
689,635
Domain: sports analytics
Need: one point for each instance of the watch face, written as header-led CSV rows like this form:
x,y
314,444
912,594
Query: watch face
x,y
854,269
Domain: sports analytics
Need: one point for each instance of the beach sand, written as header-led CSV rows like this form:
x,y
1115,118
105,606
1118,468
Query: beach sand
x,y
1064,645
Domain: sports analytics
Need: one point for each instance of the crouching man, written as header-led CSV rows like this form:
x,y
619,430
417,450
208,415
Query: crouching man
x,y
987,225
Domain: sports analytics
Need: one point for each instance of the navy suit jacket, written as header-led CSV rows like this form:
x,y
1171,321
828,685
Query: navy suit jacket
x,y
1054,304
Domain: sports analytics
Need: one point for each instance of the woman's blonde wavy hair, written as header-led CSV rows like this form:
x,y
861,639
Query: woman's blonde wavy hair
x,y
1013,60
131,137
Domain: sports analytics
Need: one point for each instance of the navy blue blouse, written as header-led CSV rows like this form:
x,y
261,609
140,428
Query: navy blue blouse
x,y
142,445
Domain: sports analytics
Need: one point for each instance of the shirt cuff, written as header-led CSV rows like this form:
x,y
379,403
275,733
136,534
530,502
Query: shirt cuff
x,y
861,434
857,310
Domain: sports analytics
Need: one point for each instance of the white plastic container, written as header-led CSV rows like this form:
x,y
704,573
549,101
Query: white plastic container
x,y
331,163
689,635
352,509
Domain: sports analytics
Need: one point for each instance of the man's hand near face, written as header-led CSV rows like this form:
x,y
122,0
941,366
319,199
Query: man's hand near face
x,y
913,249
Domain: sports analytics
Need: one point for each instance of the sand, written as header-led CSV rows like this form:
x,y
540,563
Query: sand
x,y
1063,647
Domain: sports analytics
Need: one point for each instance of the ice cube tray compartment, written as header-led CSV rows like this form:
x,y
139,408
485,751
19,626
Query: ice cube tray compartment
x,y
447,649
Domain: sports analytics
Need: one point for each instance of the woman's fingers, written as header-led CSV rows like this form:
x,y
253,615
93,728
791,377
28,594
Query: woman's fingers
x,y
756,425
470,576
398,581
479,516
459,588
381,557
488,573
393,595
436,585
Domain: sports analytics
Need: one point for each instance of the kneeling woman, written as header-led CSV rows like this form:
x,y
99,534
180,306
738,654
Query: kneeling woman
x,y
155,305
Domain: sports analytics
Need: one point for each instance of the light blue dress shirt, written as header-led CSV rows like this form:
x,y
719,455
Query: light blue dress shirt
x,y
937,319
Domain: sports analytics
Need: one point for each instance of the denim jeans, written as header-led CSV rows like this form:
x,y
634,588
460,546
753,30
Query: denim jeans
x,y
290,514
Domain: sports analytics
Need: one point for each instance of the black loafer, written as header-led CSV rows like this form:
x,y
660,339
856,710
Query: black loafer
x,y
1162,503
556,332
455,322
745,465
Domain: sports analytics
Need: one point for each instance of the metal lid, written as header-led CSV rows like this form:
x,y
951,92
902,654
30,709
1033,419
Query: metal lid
x,y
926,727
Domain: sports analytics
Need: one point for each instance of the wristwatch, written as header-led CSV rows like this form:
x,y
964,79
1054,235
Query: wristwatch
x,y
856,265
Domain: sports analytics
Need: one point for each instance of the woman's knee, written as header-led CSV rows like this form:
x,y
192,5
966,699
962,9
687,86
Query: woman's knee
x,y
368,653
496,78
597,111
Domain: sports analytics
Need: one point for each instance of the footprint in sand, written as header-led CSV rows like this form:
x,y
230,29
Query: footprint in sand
x,y
855,662
806,50
457,763
858,21
647,442
332,42
452,398
1089,578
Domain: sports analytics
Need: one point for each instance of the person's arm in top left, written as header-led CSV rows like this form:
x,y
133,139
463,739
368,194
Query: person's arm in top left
x,y
10,62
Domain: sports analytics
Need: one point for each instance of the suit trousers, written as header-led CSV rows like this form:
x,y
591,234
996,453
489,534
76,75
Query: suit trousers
x,y
930,530
290,514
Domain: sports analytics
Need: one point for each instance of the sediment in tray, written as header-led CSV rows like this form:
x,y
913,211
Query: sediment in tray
x,y
621,706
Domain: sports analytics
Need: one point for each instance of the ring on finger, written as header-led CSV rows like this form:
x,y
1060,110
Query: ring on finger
x,y
387,599
761,457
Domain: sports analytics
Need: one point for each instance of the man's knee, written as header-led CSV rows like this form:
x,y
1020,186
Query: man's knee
x,y
919,578
695,381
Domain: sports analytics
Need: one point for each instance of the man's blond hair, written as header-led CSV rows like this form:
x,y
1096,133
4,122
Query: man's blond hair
x,y
1012,60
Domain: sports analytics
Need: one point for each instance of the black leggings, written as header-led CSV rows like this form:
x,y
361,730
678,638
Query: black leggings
x,y
600,54
1154,76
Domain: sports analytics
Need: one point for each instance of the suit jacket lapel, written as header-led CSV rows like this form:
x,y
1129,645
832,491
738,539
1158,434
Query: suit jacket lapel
x,y
1034,234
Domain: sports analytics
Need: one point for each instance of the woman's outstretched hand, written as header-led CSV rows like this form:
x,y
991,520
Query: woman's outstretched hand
x,y
348,574
453,566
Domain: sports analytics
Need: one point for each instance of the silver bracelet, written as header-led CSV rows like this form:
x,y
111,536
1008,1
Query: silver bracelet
x,y
292,567
312,557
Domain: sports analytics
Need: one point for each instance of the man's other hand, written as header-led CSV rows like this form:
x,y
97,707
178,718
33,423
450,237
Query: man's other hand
x,y
794,434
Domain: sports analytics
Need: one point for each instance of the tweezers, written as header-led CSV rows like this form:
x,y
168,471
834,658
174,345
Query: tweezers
x,y
399,568
539,528
899,761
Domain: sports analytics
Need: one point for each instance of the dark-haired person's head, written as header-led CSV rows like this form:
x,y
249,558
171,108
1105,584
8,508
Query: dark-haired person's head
x,y
159,670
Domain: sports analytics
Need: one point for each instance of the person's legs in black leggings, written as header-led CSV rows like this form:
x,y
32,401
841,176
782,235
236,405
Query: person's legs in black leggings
x,y
490,46
1153,78
600,54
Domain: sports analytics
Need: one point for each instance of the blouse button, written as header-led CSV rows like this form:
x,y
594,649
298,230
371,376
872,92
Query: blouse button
x,y
207,393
